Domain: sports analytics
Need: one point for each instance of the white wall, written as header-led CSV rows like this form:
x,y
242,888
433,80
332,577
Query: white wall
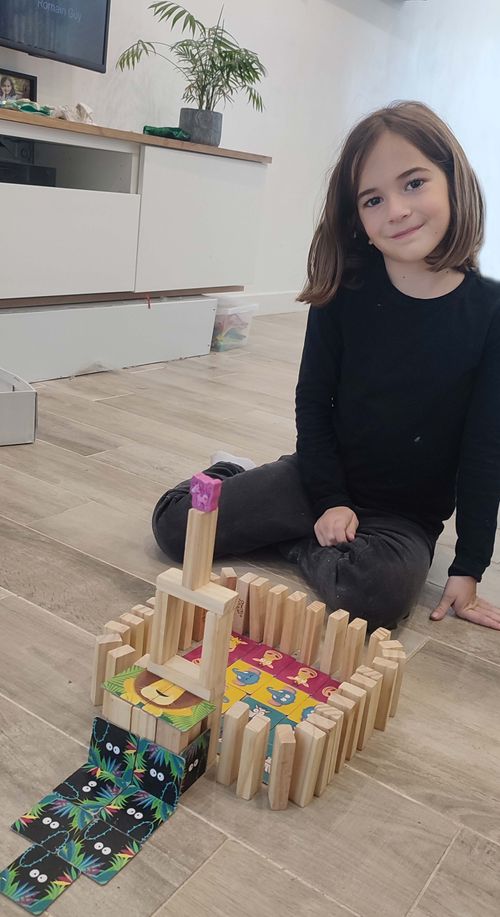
x,y
329,62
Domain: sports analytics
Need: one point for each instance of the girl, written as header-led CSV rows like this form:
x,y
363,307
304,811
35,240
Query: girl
x,y
398,397
7,90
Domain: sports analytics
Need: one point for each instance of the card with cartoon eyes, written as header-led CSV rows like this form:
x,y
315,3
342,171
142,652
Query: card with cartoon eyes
x,y
136,813
100,851
301,676
256,707
160,698
247,677
240,647
268,659
302,709
158,772
53,821
88,785
112,752
36,878
195,757
280,696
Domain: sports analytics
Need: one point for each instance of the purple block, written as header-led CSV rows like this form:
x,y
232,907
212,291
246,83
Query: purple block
x,y
205,492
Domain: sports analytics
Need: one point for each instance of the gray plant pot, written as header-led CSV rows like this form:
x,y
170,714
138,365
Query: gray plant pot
x,y
203,126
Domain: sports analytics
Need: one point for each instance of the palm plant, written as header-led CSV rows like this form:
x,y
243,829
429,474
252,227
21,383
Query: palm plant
x,y
215,66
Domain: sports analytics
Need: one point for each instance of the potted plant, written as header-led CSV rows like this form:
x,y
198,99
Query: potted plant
x,y
215,66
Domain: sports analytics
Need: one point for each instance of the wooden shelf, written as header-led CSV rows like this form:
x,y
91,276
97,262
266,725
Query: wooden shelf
x,y
128,136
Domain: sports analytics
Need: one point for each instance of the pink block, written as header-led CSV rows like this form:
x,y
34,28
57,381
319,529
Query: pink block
x,y
268,659
303,677
205,492
240,647
322,692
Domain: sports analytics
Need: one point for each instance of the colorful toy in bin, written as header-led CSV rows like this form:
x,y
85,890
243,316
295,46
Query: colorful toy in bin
x,y
232,326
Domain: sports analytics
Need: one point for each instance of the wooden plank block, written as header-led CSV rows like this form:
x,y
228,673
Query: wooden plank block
x,y
212,596
311,637
143,724
390,645
348,708
198,623
358,695
329,727
187,625
335,716
118,627
116,710
147,614
398,656
103,643
333,645
389,670
381,633
215,650
228,577
151,602
309,747
281,767
372,688
240,619
273,621
253,755
136,624
235,720
118,660
293,613
199,548
257,607
353,649
184,673
166,627
169,737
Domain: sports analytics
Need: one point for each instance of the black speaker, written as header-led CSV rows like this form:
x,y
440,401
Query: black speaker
x,y
19,174
17,148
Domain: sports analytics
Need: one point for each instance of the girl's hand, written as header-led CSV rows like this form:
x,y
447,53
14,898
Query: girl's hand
x,y
460,594
336,525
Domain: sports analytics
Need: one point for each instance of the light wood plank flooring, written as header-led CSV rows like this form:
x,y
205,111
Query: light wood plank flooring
x,y
411,827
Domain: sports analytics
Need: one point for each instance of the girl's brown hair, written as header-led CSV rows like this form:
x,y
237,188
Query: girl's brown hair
x,y
340,253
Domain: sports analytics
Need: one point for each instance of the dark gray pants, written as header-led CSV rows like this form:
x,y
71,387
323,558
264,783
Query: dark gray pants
x,y
378,576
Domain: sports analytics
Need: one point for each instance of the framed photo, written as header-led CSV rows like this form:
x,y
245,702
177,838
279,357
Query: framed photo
x,y
15,86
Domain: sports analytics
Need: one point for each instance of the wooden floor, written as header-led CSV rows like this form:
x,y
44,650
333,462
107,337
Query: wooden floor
x,y
412,826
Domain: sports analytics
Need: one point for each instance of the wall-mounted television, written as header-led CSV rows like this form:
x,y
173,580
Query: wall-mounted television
x,y
72,31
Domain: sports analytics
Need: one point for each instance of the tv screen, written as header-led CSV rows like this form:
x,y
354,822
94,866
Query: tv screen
x,y
72,31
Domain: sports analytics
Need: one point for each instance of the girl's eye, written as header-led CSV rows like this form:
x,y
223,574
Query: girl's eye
x,y
372,202
415,183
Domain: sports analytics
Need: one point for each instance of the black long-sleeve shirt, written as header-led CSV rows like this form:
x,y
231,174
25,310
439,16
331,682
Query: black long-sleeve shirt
x,y
398,408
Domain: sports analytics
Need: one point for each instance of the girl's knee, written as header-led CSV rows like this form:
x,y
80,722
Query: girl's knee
x,y
169,527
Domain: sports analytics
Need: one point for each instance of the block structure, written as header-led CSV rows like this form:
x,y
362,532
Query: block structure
x,y
192,586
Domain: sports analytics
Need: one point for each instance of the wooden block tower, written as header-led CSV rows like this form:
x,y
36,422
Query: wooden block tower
x,y
192,586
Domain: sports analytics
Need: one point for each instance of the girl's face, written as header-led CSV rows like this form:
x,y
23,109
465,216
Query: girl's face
x,y
403,201
8,88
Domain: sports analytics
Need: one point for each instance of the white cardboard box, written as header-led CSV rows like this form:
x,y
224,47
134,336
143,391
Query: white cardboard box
x,y
18,410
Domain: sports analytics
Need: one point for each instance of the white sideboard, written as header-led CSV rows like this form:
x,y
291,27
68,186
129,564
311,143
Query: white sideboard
x,y
131,218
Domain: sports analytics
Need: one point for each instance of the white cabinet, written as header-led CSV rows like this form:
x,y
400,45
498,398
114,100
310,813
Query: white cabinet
x,y
61,241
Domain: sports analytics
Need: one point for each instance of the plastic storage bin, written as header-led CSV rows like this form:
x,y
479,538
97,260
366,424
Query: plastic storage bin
x,y
232,326
18,410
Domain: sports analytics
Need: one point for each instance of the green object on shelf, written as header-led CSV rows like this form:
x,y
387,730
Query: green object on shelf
x,y
171,133
26,105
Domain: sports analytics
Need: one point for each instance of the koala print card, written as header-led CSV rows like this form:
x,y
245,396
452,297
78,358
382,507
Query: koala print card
x,y
36,878
112,752
100,851
88,786
53,821
136,813
158,772
195,756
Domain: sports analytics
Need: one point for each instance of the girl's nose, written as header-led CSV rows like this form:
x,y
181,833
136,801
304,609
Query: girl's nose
x,y
398,209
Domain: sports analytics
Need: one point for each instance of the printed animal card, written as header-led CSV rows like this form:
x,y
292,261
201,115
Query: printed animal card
x,y
193,655
302,676
256,707
53,821
231,695
280,696
246,677
100,851
159,772
195,757
268,659
136,813
87,785
161,698
239,647
112,752
267,761
36,879
323,692
302,709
